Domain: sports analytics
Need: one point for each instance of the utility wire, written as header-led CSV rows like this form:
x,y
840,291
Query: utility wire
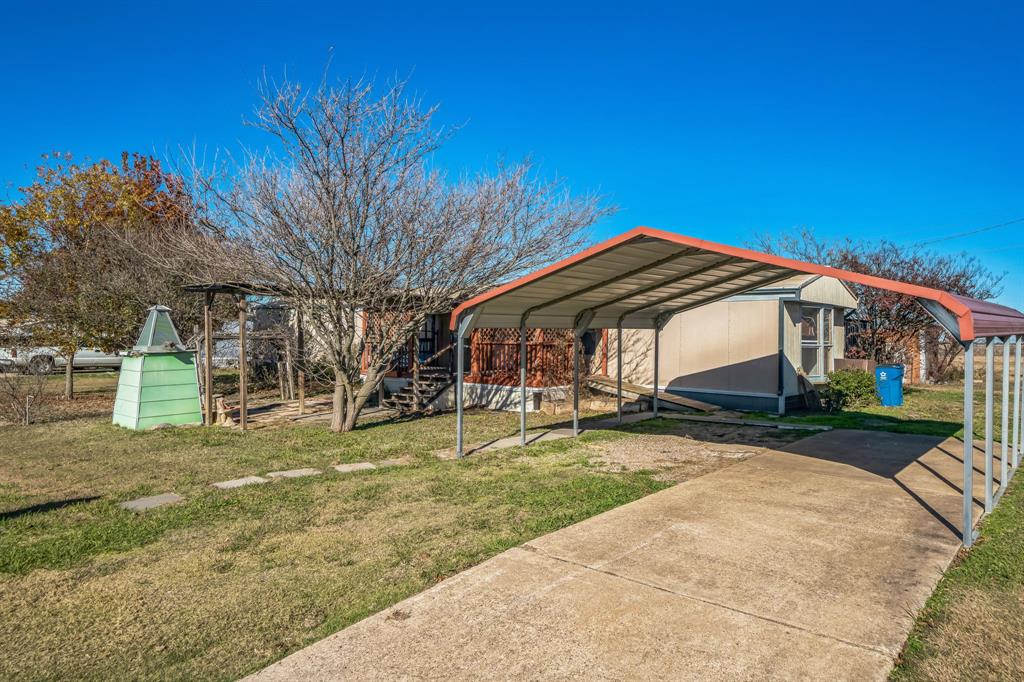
x,y
970,232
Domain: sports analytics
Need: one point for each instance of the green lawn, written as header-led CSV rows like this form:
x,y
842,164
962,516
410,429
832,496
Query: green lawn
x,y
931,410
229,581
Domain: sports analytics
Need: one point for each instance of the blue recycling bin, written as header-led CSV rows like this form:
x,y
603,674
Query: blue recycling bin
x,y
889,384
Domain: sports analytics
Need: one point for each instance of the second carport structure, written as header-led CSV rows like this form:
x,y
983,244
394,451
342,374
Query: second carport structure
x,y
640,279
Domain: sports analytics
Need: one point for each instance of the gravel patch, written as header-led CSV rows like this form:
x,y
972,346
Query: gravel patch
x,y
688,451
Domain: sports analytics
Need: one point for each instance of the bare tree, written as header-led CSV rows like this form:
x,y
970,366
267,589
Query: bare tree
x,y
348,216
887,323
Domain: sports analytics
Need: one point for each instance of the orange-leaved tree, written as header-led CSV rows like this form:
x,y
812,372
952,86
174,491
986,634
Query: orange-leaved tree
x,y
73,279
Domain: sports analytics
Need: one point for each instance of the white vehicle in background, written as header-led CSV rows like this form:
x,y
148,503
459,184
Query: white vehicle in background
x,y
43,360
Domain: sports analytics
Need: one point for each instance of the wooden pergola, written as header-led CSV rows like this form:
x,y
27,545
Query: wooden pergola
x,y
240,292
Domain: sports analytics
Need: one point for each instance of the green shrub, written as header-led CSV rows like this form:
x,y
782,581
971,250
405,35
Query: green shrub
x,y
849,388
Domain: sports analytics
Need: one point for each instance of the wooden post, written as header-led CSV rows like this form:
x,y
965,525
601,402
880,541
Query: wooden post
x,y
243,367
280,381
604,354
208,355
300,358
200,375
289,366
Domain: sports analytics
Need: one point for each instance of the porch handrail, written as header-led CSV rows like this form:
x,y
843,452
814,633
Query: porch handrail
x,y
435,355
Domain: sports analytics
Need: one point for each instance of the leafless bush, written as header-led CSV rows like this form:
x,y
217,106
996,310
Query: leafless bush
x,y
24,397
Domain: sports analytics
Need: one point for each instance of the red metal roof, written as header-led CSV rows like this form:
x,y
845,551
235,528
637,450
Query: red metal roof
x,y
992,319
646,274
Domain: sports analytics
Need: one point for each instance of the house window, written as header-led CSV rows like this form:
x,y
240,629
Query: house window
x,y
816,341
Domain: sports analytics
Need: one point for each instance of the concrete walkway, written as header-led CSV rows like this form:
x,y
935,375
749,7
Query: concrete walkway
x,y
808,563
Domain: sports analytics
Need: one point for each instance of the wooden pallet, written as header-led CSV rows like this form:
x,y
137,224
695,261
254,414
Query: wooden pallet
x,y
750,422
669,401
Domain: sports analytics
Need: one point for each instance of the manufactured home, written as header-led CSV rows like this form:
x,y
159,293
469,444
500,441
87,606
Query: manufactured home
x,y
762,350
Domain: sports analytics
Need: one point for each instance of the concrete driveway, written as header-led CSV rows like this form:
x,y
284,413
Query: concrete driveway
x,y
803,563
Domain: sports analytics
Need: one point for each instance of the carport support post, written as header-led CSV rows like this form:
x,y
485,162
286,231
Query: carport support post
x,y
575,383
522,381
1004,432
581,324
459,362
1016,405
654,403
618,371
464,326
990,350
968,527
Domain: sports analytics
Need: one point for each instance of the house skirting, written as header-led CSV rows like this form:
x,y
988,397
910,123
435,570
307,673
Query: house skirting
x,y
494,397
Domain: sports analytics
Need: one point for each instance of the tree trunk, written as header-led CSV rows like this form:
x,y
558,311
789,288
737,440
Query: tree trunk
x,y
338,404
350,414
357,403
69,378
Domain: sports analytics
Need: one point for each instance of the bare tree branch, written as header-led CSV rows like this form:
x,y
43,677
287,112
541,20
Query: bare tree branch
x,y
347,216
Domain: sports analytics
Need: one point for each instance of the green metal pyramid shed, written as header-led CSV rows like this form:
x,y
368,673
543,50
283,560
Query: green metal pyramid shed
x,y
158,382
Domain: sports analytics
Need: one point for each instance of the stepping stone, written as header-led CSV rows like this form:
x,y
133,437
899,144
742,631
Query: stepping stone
x,y
391,463
239,482
152,502
357,466
294,473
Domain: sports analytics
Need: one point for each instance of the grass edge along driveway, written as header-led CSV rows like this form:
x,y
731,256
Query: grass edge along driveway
x,y
970,628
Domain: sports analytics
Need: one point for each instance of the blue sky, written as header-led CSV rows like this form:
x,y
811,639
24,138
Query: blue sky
x,y
898,120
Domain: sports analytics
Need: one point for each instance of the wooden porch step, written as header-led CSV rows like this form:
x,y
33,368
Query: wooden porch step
x,y
633,391
435,372
418,395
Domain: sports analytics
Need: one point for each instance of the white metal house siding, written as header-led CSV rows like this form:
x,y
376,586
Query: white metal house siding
x,y
730,346
828,291
792,319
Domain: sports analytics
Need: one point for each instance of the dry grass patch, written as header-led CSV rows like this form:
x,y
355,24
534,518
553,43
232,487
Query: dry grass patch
x,y
978,639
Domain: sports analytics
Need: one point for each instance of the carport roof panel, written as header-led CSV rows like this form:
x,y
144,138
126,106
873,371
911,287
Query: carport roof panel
x,y
645,274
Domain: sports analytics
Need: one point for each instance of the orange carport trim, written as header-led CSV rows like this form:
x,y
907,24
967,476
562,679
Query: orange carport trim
x,y
959,306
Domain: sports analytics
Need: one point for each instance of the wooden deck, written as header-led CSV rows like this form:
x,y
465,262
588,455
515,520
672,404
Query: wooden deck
x,y
282,413
632,391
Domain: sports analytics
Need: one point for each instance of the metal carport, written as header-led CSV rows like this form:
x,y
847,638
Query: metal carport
x,y
643,277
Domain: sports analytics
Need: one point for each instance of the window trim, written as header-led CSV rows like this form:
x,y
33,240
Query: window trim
x,y
819,343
